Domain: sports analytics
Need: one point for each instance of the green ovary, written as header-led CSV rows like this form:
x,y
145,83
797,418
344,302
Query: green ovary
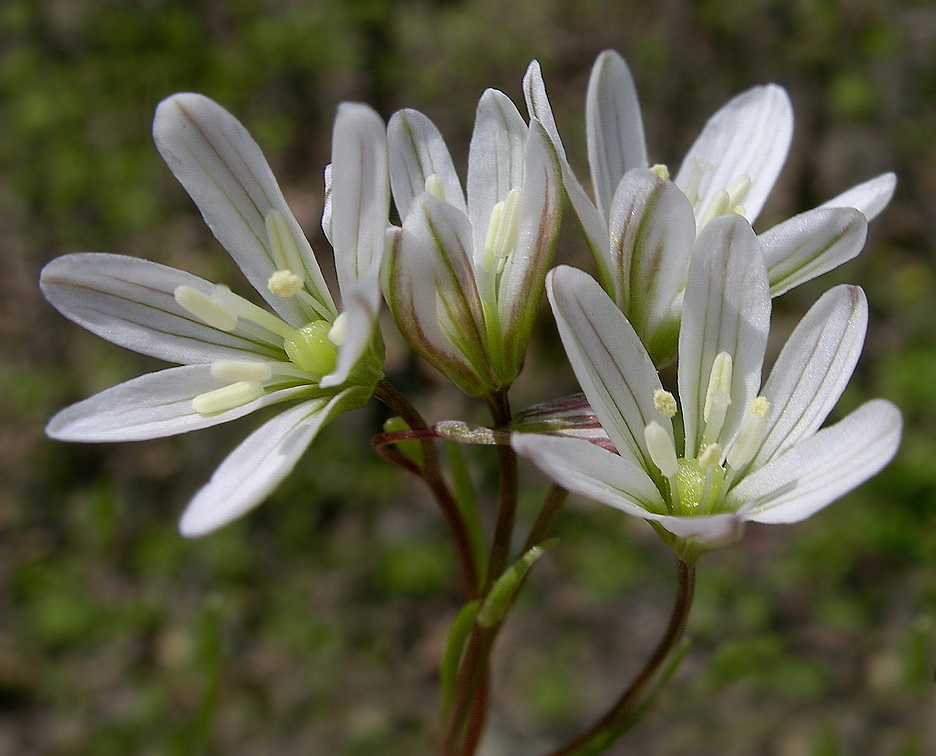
x,y
311,350
690,482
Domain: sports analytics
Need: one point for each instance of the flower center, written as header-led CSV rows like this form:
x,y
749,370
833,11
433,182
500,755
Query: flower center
x,y
697,484
311,349
728,200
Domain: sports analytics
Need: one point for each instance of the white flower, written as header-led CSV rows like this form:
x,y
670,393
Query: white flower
x,y
236,356
463,279
641,225
750,452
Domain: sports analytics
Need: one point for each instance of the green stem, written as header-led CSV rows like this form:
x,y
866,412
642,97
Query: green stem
x,y
431,473
619,718
546,519
507,503
469,708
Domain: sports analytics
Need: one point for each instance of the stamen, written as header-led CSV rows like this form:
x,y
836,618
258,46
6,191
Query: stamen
x,y
227,397
717,398
285,283
241,370
205,307
435,186
339,330
738,191
661,449
751,435
720,205
661,170
759,406
283,247
700,166
249,311
502,230
664,402
705,500
710,456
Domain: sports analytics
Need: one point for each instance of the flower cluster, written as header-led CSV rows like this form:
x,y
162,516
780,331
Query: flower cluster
x,y
681,274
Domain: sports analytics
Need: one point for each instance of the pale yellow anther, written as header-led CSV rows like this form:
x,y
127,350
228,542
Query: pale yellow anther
x,y
339,330
738,189
285,283
661,449
227,397
720,205
711,455
283,247
661,170
759,406
749,440
205,307
502,230
241,370
435,186
717,397
664,402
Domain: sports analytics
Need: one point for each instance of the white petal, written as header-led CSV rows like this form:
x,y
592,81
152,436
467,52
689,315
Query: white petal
x,y
614,125
750,136
361,308
360,192
224,171
495,160
259,464
154,405
522,278
594,226
810,244
820,469
713,531
537,102
417,151
611,364
430,288
652,230
726,309
591,471
813,369
327,205
131,302
869,197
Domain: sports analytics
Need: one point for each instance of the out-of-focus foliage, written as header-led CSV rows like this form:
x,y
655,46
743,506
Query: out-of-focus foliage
x,y
316,624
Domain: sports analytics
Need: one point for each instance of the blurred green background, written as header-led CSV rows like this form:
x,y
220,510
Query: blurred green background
x,y
315,625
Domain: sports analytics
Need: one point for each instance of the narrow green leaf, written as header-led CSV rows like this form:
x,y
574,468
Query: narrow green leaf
x,y
454,648
500,598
